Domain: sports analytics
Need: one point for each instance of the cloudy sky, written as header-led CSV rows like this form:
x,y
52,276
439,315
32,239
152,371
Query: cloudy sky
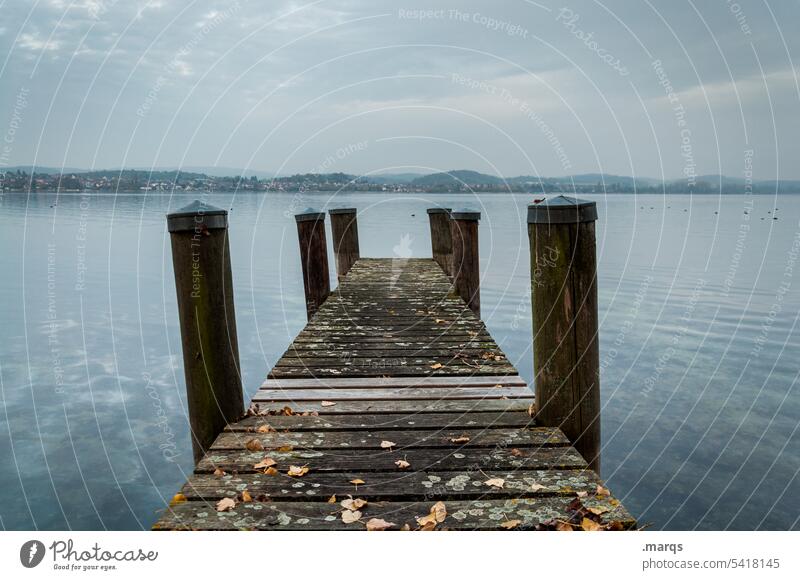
x,y
650,88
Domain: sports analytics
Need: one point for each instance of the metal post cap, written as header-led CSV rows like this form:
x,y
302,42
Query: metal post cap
x,y
562,210
197,215
465,214
309,214
439,210
342,210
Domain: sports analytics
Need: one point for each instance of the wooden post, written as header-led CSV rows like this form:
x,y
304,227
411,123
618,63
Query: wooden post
x,y
465,265
344,229
202,264
314,258
441,238
566,356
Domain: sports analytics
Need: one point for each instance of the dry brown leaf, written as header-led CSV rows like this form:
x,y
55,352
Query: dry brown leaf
x,y
357,481
271,471
218,472
327,403
437,366
563,527
332,499
297,471
440,321
516,452
254,445
537,487
265,429
387,444
599,509
590,525
353,504
287,411
349,517
437,515
264,463
378,525
461,439
405,528
285,449
510,524
602,491
582,493
532,409
226,504
402,463
177,498
495,482
246,497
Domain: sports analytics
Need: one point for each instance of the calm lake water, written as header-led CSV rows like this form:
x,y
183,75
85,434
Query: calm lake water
x,y
699,303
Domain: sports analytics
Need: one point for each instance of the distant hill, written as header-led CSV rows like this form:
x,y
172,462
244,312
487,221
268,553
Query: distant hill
x,y
457,177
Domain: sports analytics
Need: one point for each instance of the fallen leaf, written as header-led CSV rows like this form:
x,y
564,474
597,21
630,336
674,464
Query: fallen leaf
x,y
599,509
271,471
357,481
440,321
265,429
437,365
218,472
563,527
516,452
264,463
332,499
495,482
378,525
405,528
287,411
537,487
437,515
590,525
510,524
353,504
461,439
402,463
285,449
327,403
226,504
177,498
254,445
602,491
246,497
387,444
582,493
532,409
296,471
349,517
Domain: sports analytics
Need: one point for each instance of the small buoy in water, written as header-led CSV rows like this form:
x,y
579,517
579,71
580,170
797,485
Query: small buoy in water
x,y
413,215
774,218
686,210
716,212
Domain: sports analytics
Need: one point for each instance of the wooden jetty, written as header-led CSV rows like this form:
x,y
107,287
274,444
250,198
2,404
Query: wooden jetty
x,y
394,408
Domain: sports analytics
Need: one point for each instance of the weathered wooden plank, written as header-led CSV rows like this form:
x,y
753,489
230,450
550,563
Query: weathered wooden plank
x,y
402,485
440,438
404,393
365,422
399,407
483,514
383,369
356,383
364,461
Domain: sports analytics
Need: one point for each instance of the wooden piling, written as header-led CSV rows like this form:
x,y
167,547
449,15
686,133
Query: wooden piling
x,y
344,229
566,357
465,264
441,238
204,285
314,258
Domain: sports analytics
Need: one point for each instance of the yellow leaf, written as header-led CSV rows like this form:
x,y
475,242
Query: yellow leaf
x,y
349,517
265,429
353,504
254,445
246,497
327,403
177,498
402,463
332,499
226,504
437,365
378,525
357,481
264,463
285,449
510,524
296,471
271,471
495,482
590,525
437,515
387,444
